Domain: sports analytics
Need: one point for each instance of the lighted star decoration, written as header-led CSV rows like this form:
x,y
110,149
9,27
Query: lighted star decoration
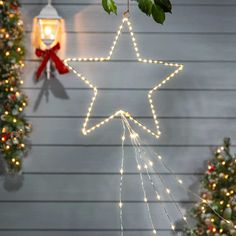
x,y
86,129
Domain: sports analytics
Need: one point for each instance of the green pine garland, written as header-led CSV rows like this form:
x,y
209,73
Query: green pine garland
x,y
13,126
219,190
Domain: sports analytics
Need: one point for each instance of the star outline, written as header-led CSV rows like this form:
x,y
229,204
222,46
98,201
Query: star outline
x,y
121,113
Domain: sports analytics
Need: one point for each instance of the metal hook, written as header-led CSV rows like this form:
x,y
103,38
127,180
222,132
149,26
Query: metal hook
x,y
126,14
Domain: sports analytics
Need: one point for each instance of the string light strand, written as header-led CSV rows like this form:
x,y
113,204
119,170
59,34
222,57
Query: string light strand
x,y
132,134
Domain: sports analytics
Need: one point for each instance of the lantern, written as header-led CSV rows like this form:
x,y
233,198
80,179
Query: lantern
x,y
48,26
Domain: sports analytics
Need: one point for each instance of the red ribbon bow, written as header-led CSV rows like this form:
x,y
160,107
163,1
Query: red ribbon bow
x,y
50,54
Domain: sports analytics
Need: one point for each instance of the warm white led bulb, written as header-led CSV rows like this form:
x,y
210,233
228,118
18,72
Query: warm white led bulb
x,y
47,30
150,163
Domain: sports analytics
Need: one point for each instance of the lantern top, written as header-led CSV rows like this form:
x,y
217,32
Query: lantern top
x,y
48,12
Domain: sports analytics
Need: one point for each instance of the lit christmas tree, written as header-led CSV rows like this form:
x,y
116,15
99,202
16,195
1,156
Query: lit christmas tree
x,y
13,127
218,190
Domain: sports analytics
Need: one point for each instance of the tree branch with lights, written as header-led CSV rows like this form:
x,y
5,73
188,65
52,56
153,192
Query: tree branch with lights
x,y
13,126
155,8
218,189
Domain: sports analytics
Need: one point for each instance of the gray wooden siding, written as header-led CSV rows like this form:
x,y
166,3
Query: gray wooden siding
x,y
71,182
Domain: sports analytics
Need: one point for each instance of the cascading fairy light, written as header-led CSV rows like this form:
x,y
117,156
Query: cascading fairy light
x,y
135,140
146,164
124,115
133,136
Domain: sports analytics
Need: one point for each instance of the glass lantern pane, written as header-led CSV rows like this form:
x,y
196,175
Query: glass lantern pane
x,y
49,30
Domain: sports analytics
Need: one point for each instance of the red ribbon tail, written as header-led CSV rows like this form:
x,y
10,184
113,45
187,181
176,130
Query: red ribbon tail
x,y
61,67
42,66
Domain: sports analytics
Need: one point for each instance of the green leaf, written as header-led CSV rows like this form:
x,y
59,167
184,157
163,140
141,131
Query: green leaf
x,y
145,6
164,4
158,14
109,6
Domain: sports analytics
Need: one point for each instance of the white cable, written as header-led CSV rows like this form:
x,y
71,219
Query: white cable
x,y
121,179
140,175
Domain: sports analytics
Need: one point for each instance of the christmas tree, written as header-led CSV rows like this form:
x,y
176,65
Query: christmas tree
x,y
13,126
216,213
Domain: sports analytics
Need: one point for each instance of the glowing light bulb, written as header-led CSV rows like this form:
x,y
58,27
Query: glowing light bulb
x,y
154,231
150,163
47,30
133,135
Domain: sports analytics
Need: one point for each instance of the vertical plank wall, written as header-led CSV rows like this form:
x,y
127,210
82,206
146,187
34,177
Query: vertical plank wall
x,y
70,184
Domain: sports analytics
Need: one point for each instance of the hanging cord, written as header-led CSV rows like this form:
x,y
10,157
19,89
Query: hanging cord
x,y
126,14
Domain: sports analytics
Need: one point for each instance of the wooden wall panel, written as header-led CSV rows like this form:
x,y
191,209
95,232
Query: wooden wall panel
x,y
99,188
100,159
178,48
81,216
196,75
175,132
179,103
82,18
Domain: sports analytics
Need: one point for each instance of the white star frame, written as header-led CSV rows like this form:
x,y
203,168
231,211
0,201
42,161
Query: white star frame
x,y
87,130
